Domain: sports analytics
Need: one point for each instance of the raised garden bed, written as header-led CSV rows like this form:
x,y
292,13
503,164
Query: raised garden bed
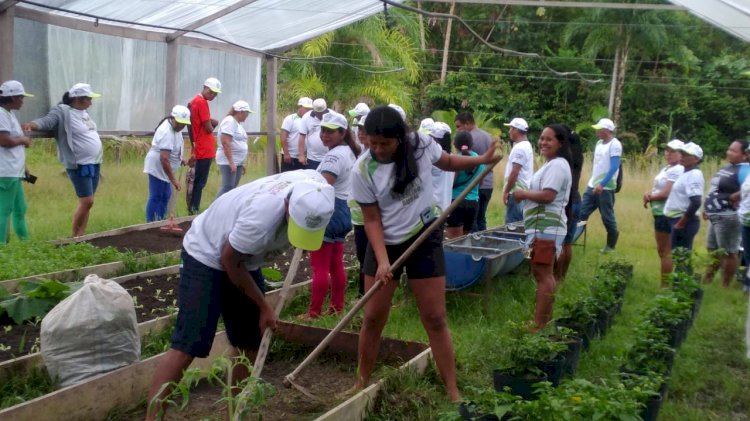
x,y
122,388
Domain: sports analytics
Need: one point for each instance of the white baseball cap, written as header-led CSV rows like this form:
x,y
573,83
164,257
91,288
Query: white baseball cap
x,y
400,110
359,110
242,106
310,209
305,102
82,90
181,114
693,149
319,105
675,144
213,84
606,124
360,121
518,123
334,120
424,125
439,129
13,88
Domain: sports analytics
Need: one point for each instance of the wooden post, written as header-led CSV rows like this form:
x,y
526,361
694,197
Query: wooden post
x,y
172,91
446,45
272,70
6,43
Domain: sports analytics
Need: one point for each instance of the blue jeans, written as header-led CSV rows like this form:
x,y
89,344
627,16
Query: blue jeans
x,y
684,237
202,168
480,222
605,202
85,179
229,179
159,192
514,210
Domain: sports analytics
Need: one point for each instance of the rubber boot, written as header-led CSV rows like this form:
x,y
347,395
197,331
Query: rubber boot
x,y
612,239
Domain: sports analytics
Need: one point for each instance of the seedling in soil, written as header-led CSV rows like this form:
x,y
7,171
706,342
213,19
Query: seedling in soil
x,y
157,295
4,348
7,328
137,288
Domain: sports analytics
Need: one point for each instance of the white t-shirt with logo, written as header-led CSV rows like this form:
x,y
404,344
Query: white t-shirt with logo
x,y
522,154
402,215
339,162
670,173
689,184
252,217
744,210
291,125
602,155
165,139
549,218
12,160
87,146
310,127
232,128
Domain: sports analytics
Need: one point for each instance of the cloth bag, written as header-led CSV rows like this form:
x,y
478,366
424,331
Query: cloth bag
x,y
93,331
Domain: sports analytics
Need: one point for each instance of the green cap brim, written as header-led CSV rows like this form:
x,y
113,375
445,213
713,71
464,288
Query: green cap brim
x,y
216,91
94,95
330,126
29,95
352,113
306,240
182,121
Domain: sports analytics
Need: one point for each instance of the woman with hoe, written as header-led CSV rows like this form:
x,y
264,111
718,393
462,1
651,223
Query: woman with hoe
x,y
392,185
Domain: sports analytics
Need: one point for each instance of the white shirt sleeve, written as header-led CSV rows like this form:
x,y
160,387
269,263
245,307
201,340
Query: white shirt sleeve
x,y
332,163
288,123
674,172
6,125
615,149
228,126
362,190
162,139
554,176
256,225
695,184
432,149
303,125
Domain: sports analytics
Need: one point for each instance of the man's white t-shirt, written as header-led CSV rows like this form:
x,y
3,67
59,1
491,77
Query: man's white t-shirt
x,y
310,127
165,139
291,125
12,160
690,183
522,154
402,215
602,155
232,128
87,146
252,217
339,162
549,218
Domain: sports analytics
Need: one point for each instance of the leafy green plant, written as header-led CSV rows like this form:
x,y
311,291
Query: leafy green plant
x,y
35,299
528,351
650,352
669,311
18,388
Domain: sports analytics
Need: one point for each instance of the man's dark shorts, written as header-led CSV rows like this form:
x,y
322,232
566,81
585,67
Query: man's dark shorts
x,y
205,294
427,261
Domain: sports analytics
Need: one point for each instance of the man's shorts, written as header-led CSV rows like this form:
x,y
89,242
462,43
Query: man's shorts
x,y
427,261
205,294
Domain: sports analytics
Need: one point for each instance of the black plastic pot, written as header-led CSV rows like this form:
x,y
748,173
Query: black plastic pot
x,y
553,369
697,300
587,332
470,412
521,386
571,356
651,411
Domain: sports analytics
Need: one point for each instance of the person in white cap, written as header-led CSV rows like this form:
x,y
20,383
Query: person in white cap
x,y
311,148
163,160
600,191
13,144
232,150
79,147
220,273
202,140
720,209
391,184
518,170
481,141
327,263
442,181
685,198
358,220
290,135
357,113
657,198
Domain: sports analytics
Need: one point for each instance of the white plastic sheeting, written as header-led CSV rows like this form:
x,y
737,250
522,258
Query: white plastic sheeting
x,y
732,16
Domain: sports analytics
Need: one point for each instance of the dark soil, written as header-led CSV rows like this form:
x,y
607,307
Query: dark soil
x,y
152,240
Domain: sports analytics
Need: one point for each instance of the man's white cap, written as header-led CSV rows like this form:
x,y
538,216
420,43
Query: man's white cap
x,y
424,125
518,123
400,111
359,110
606,124
181,114
675,144
693,149
436,129
213,84
319,105
334,120
242,106
82,90
305,102
360,121
310,209
13,88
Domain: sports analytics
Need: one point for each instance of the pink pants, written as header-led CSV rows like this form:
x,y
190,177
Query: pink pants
x,y
327,263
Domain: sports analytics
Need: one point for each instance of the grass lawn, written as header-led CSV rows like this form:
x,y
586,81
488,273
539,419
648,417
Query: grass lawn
x,y
711,376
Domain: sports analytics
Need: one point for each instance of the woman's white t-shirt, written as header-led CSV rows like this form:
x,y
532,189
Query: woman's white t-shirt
x,y
232,128
402,215
549,218
690,183
165,139
87,146
339,162
12,160
670,173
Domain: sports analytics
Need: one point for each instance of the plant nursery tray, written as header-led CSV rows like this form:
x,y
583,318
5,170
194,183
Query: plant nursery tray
x,y
98,397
